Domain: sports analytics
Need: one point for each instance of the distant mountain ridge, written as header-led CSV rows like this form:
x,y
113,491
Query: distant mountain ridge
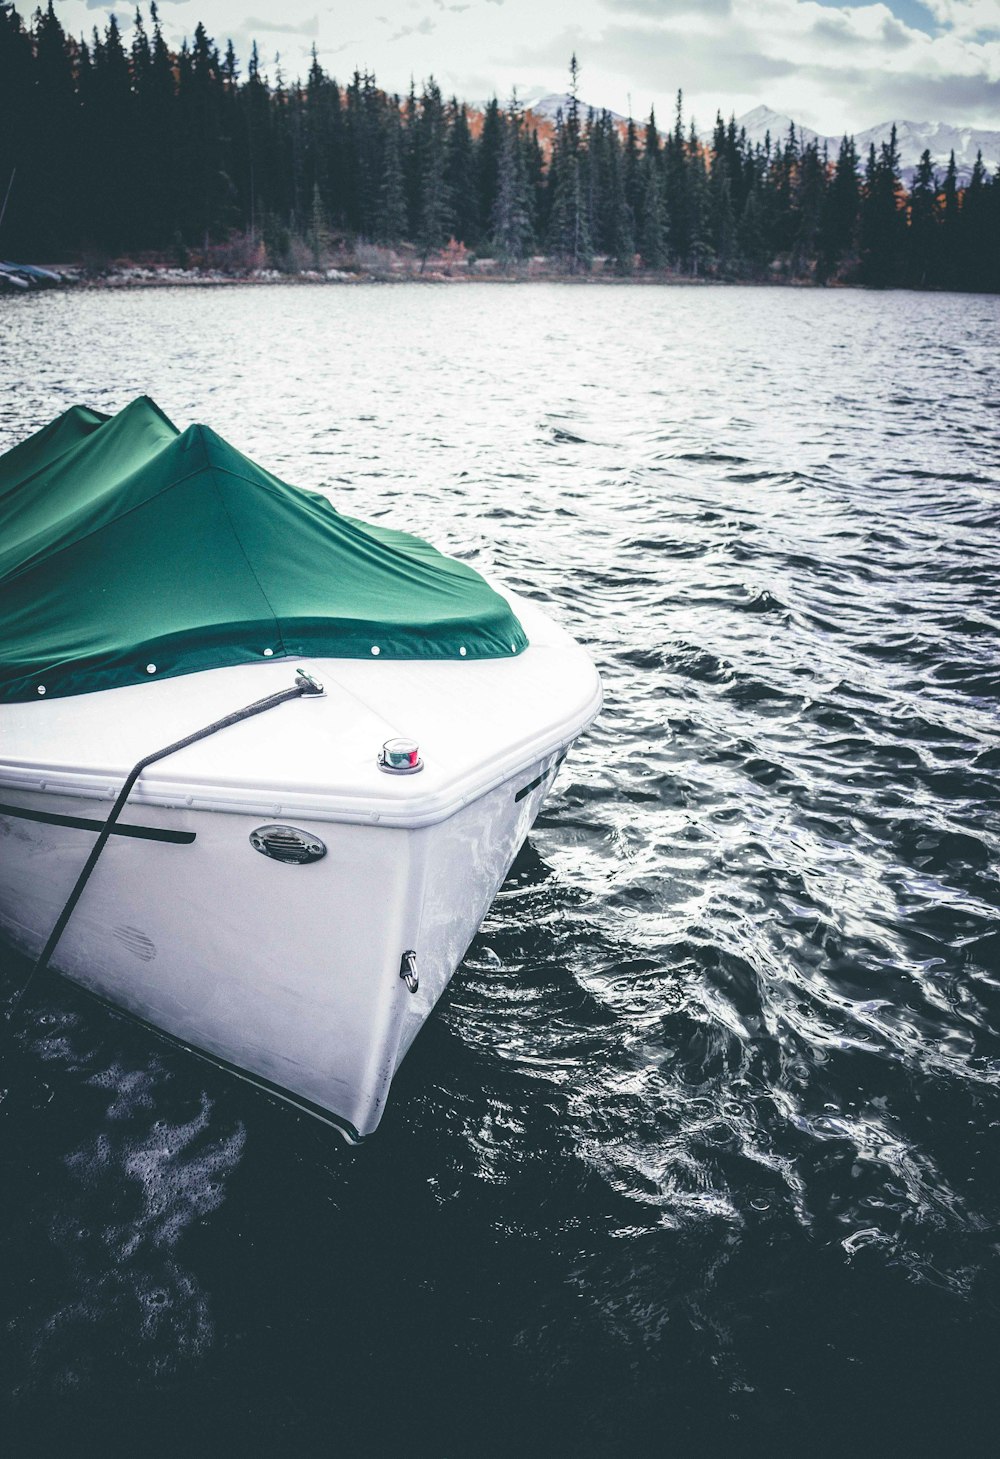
x,y
912,138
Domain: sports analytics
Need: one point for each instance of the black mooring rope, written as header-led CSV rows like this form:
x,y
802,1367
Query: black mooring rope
x,y
304,685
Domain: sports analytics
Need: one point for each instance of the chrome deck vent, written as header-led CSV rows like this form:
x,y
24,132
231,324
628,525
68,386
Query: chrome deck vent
x,y
287,843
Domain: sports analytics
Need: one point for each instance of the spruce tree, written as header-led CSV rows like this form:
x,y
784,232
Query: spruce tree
x,y
460,175
113,138
781,181
721,219
699,246
569,236
621,249
882,218
488,161
949,232
157,125
975,233
601,144
678,199
255,99
837,241
809,192
534,171
392,190
653,228
751,241
991,225
48,187
435,207
17,139
631,179
411,160
921,239
207,182
510,235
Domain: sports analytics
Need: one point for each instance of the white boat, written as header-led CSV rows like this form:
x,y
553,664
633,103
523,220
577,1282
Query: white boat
x,y
285,896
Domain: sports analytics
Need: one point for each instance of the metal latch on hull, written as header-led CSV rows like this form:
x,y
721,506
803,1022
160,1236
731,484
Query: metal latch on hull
x,y
408,970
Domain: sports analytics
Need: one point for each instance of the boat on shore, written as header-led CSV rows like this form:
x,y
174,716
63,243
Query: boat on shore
x,y
290,894
24,276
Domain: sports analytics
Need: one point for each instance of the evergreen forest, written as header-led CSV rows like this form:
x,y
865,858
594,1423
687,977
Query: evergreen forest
x,y
118,146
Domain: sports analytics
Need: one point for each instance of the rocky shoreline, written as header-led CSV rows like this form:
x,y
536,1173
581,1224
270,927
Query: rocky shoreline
x,y
391,269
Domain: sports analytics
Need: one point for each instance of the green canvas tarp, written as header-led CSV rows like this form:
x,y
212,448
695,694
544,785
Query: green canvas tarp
x,y
126,543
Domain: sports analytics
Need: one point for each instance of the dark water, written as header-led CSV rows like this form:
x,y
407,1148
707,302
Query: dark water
x,y
700,1152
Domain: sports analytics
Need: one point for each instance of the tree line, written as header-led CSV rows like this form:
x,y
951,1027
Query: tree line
x,y
115,149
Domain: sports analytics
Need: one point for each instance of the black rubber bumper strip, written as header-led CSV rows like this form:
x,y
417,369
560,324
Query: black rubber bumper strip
x,y
534,784
80,823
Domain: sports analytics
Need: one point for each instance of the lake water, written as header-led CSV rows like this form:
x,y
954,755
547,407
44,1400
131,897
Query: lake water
x,y
701,1151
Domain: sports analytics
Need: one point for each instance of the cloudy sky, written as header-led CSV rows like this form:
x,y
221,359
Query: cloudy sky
x,y
834,67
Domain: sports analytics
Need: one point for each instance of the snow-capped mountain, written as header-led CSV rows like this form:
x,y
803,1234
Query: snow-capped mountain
x,y
763,122
551,103
911,137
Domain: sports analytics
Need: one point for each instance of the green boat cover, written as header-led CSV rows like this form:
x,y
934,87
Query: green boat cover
x,y
129,548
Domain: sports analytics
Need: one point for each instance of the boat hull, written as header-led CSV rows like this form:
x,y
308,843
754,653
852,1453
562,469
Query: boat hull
x,y
289,974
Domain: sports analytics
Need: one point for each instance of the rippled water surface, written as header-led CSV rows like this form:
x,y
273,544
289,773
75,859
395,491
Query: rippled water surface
x,y
699,1153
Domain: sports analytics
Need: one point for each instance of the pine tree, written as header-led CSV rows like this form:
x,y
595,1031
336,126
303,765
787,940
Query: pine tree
x,y
569,236
157,129
325,162
921,239
364,146
949,234
16,133
510,235
781,182
534,171
113,139
488,161
991,226
721,219
882,218
204,170
678,199
49,182
975,232
592,177
411,160
751,241
839,216
621,247
809,191
601,140
435,210
392,190
255,99
142,55
653,229
460,175
699,247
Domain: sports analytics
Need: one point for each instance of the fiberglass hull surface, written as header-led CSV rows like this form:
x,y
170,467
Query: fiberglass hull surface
x,y
288,973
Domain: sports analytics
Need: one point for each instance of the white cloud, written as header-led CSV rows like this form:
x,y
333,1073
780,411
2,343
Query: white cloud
x,y
967,17
833,66
309,27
